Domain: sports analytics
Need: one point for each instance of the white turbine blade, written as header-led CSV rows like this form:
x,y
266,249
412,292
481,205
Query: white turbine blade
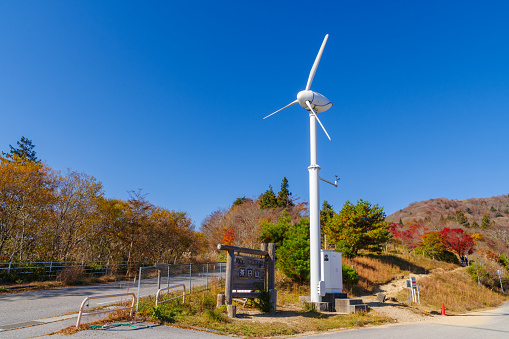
x,y
316,116
291,104
315,65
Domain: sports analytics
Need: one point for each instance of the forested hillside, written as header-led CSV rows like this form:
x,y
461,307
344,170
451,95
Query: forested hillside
x,y
487,217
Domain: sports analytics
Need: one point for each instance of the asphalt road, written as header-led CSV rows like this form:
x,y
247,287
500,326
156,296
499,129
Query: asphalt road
x,y
486,325
29,314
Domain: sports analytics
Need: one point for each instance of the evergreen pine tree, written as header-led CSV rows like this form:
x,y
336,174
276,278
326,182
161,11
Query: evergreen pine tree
x,y
24,151
268,199
239,201
486,221
326,213
283,197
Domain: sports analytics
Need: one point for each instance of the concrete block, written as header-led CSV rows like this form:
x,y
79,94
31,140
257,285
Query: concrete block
x,y
346,306
359,308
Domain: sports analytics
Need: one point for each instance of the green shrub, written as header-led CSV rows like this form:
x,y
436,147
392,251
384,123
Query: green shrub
x,y
504,260
216,315
162,314
350,276
293,254
263,301
450,257
346,249
478,273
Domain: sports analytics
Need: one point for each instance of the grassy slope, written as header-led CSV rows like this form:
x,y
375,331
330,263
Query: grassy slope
x,y
446,283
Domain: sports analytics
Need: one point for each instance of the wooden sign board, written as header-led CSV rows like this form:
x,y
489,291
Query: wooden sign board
x,y
248,273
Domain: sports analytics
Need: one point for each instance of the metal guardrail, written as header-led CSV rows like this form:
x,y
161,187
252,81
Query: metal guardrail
x,y
183,296
80,314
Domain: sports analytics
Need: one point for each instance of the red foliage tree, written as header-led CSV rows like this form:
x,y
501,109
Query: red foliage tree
x,y
396,229
413,235
409,237
228,237
458,241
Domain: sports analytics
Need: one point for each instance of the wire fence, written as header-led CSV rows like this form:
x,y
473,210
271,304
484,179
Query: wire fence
x,y
50,270
196,277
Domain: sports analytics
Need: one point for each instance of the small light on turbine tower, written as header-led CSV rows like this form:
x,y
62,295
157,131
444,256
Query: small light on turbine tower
x,y
314,103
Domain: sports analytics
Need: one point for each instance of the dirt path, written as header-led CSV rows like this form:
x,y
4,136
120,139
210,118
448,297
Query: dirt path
x,y
399,309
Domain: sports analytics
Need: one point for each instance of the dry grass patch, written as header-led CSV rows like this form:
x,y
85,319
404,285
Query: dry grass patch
x,y
457,291
377,269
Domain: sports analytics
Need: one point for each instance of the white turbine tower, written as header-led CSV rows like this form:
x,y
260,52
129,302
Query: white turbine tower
x,y
315,103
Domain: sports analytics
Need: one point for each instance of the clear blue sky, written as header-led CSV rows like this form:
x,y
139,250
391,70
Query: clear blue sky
x,y
169,96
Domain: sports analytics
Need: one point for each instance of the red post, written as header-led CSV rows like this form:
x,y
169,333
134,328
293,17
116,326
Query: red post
x,y
443,309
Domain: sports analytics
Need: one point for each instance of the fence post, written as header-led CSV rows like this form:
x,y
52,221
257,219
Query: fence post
x,y
168,280
138,296
50,266
158,279
190,275
107,264
9,269
207,279
230,260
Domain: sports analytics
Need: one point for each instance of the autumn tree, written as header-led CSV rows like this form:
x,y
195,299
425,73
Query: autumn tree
x,y
27,192
432,244
326,213
356,227
413,235
458,241
170,234
75,214
213,228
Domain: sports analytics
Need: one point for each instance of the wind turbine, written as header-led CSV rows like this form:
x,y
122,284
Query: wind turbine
x,y
315,103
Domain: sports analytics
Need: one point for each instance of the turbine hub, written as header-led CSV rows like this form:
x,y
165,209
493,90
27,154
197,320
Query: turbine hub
x,y
318,101
304,96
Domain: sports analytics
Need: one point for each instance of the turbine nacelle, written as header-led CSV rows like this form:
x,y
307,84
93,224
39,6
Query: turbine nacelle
x,y
312,101
318,102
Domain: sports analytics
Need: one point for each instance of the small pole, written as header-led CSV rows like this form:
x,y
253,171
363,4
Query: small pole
x,y
50,266
168,280
190,276
158,279
9,269
138,296
271,266
207,279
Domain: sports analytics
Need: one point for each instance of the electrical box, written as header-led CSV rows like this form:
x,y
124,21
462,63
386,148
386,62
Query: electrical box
x,y
332,271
